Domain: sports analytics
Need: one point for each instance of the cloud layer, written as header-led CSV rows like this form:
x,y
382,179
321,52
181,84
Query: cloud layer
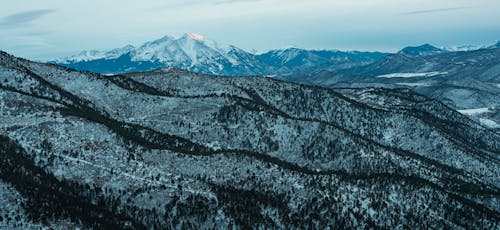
x,y
438,10
24,17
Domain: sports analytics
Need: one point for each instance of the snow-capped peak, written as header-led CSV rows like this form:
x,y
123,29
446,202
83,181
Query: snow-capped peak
x,y
423,50
463,48
89,55
189,49
195,36
115,53
162,39
496,45
85,55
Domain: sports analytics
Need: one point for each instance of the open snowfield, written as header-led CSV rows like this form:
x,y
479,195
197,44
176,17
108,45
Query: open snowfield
x,y
408,75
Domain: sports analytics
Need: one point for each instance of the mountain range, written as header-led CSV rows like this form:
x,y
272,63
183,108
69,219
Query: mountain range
x,y
195,53
174,149
468,81
465,78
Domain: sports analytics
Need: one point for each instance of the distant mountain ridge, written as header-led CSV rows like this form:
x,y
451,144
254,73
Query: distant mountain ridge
x,y
463,80
195,53
423,50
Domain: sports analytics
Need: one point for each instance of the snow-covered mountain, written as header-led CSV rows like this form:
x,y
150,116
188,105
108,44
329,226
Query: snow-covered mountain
x,y
294,60
496,45
89,55
462,80
429,50
195,53
420,51
171,149
464,48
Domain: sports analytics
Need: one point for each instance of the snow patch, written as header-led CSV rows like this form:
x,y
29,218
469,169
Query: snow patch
x,y
489,123
473,111
215,145
464,48
408,75
413,84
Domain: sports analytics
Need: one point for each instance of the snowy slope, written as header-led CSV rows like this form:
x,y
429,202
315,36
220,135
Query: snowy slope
x,y
171,149
95,54
420,51
408,75
462,79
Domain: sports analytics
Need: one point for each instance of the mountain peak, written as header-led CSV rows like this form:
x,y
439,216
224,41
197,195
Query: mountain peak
x,y
422,50
463,48
163,39
427,46
197,53
194,36
496,45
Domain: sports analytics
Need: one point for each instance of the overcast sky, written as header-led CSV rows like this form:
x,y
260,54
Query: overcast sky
x,y
52,28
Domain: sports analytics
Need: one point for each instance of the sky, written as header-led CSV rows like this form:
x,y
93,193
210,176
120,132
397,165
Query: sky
x,y
44,30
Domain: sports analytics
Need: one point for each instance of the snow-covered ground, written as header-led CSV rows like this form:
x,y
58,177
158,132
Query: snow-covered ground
x,y
489,123
473,111
13,216
413,84
153,155
408,75
464,48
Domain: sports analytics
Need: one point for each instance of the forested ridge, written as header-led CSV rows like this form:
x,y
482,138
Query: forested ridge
x,y
171,149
